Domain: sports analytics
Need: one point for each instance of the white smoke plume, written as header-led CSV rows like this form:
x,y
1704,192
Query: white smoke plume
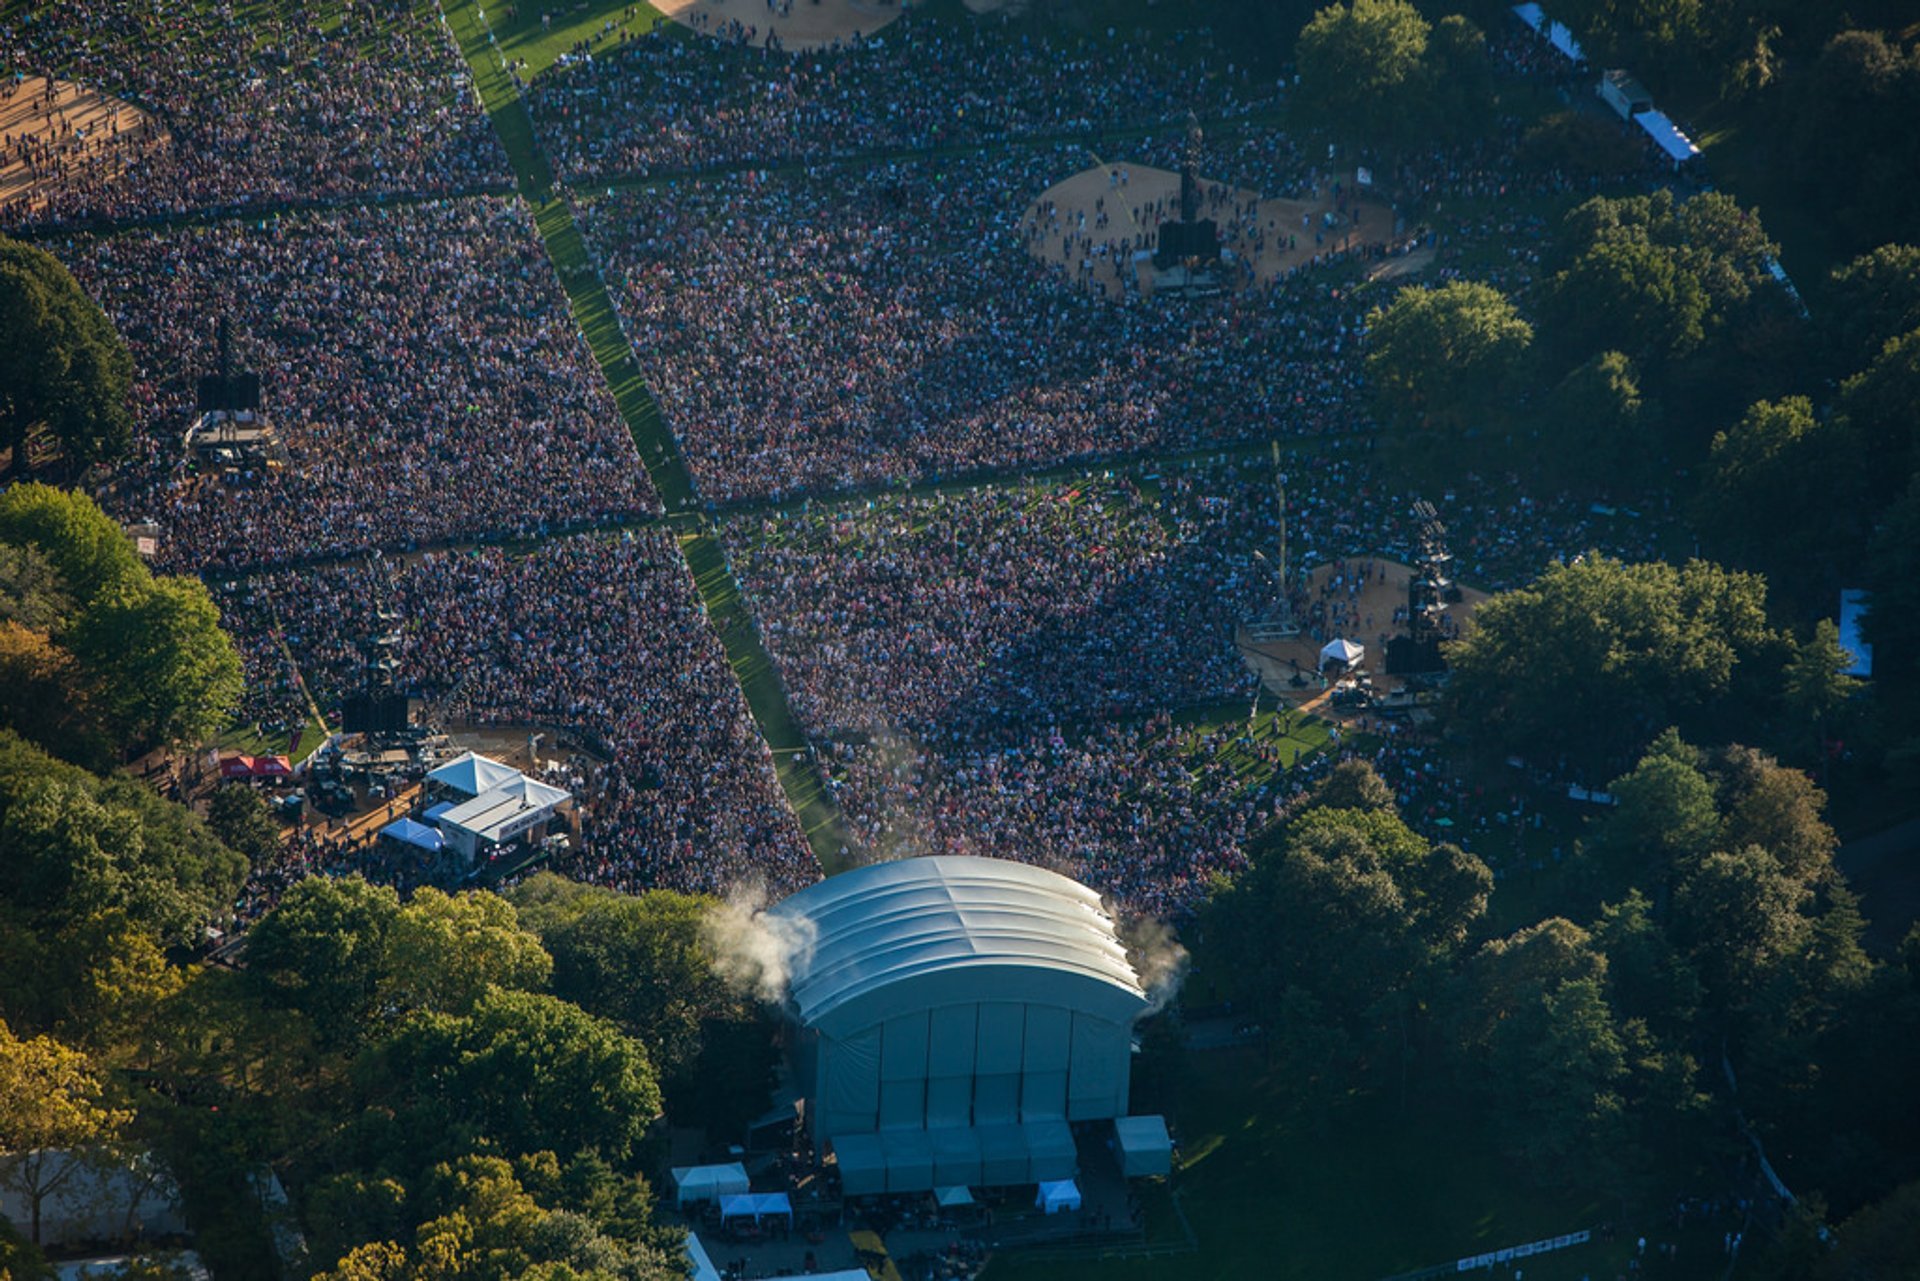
x,y
753,951
1157,958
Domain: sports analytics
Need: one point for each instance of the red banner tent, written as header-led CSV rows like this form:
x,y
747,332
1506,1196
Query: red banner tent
x,y
272,767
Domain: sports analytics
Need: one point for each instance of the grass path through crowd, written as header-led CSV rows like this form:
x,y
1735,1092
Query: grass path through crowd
x,y
659,452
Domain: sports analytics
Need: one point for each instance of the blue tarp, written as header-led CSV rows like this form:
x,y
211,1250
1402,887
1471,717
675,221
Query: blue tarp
x,y
408,832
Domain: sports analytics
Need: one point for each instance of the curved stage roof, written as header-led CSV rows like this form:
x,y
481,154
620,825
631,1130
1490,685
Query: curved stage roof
x,y
892,937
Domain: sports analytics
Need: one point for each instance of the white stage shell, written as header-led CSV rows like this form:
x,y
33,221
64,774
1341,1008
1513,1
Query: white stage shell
x,y
955,993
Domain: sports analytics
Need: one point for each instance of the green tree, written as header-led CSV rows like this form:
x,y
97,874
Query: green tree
x,y
445,950
62,368
72,844
1362,69
645,962
1783,492
1354,785
1892,627
1438,355
1879,1241
31,593
1871,301
88,551
1845,114
1596,427
50,700
1878,403
1459,78
1778,808
529,1071
238,816
323,953
1664,820
1816,689
487,1226
53,1104
1334,930
353,959
1635,647
1536,1032
1626,292
168,673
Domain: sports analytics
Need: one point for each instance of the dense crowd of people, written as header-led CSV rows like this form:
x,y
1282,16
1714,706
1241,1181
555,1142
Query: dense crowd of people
x,y
840,329
418,362
261,106
599,635
987,670
659,103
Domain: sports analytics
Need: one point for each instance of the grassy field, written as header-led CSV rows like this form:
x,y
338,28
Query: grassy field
x,y
247,740
1362,1193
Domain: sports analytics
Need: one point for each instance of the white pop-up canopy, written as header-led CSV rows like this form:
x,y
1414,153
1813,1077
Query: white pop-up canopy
x,y
952,1198
703,1269
1145,1149
696,1183
1667,136
756,1206
1341,651
1057,1196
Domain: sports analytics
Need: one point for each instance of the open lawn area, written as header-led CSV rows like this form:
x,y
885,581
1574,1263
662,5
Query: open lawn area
x,y
1361,1193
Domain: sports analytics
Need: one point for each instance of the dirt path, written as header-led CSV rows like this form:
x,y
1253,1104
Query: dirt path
x,y
56,134
1092,223
800,24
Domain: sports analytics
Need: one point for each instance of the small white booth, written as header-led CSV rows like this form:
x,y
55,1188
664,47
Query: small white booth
x,y
1143,1146
1344,652
1057,1195
756,1206
694,1184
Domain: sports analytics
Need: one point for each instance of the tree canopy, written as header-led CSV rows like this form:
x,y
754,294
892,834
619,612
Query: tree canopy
x,y
1362,69
63,367
107,656
1438,357
1635,646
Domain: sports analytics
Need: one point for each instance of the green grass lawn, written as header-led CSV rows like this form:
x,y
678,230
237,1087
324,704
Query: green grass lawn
x,y
767,699
1362,1194
246,739
520,34
508,114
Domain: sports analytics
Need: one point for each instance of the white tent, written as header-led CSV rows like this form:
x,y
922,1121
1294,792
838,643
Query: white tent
x,y
703,1269
1853,607
471,774
696,1183
1054,1197
1667,136
1144,1146
1531,14
1561,38
1342,651
756,1206
952,1198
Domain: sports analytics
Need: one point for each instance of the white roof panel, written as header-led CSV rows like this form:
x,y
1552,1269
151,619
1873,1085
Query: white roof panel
x,y
473,774
1014,931
504,811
